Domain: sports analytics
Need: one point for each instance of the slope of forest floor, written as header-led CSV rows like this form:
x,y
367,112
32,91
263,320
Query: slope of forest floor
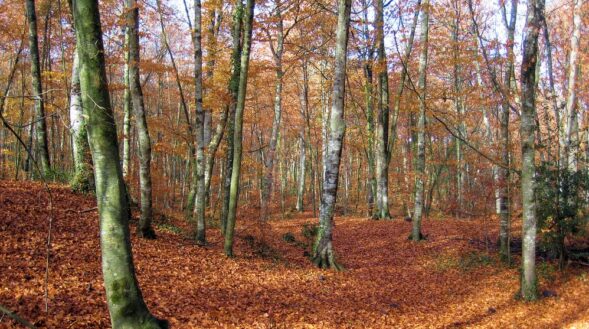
x,y
451,280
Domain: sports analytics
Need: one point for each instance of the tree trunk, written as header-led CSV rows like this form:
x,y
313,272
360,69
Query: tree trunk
x,y
83,179
238,129
42,149
323,253
502,172
237,32
125,302
127,110
382,126
144,228
268,180
420,156
571,138
301,179
199,206
529,289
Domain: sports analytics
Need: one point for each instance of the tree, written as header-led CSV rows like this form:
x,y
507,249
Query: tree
x,y
40,126
82,179
382,125
125,301
528,283
199,205
323,253
238,128
132,25
420,156
571,128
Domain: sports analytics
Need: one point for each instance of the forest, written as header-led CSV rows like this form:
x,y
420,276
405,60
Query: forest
x,y
294,164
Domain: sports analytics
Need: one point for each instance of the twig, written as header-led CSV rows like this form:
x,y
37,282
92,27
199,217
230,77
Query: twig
x,y
16,318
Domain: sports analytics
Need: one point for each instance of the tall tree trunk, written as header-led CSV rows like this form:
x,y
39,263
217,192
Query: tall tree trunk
x,y
401,86
503,172
238,129
529,289
144,228
83,179
237,32
301,179
125,302
199,206
323,253
127,114
571,138
42,149
382,125
268,180
420,156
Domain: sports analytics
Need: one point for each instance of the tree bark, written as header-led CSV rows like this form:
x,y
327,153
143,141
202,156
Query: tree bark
x,y
41,145
83,179
529,289
571,138
238,129
144,228
237,32
323,253
199,206
382,126
416,234
125,302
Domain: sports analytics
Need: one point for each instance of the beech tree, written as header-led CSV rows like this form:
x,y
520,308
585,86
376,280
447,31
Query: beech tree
x,y
238,128
40,125
323,252
416,234
132,18
529,285
125,301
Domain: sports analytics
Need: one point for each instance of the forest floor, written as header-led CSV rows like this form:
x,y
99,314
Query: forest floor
x,y
451,280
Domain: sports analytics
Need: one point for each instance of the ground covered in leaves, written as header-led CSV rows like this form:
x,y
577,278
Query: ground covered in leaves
x,y
451,280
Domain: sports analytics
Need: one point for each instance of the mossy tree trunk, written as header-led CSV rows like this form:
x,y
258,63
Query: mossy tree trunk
x,y
132,20
42,149
529,289
236,33
125,301
323,252
238,128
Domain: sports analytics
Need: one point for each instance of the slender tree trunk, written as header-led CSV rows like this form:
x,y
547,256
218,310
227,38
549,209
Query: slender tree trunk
x,y
199,207
83,179
420,156
127,110
529,289
502,172
144,228
301,179
268,180
238,129
125,302
382,126
571,138
42,149
237,31
323,253
401,86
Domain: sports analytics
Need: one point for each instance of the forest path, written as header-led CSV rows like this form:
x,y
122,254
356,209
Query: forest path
x,y
450,280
